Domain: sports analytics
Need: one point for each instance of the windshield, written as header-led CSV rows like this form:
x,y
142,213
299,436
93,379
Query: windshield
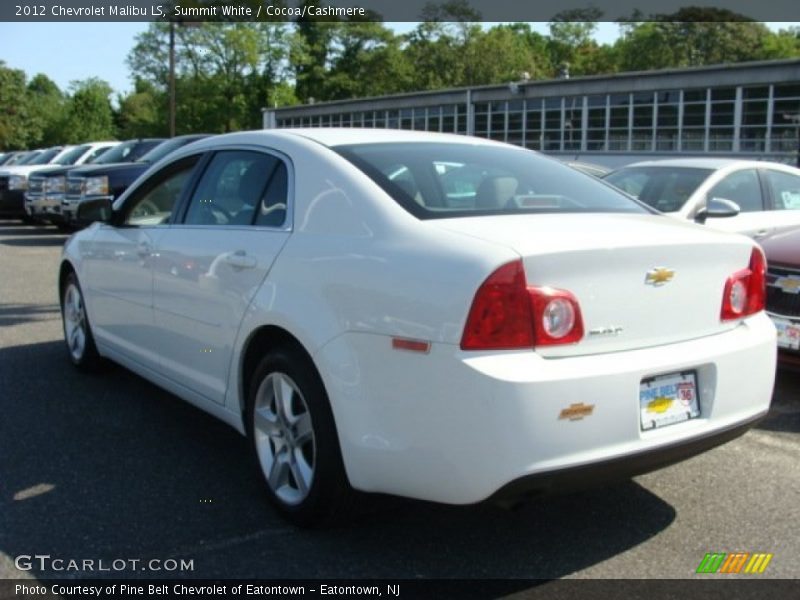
x,y
664,188
437,180
73,155
166,147
126,152
26,158
45,157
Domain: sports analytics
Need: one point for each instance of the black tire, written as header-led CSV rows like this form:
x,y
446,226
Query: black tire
x,y
328,497
74,317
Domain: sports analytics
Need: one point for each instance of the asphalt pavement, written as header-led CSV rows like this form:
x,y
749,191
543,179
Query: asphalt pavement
x,y
108,467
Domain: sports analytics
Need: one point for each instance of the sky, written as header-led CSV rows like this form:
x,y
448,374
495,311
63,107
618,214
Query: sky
x,y
70,51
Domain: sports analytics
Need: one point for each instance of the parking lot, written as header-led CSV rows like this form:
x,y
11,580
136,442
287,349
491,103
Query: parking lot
x,y
110,467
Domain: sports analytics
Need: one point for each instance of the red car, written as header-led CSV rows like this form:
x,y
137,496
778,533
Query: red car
x,y
783,292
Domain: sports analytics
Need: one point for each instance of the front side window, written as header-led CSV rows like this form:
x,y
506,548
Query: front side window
x,y
155,201
743,188
785,189
440,180
236,189
664,188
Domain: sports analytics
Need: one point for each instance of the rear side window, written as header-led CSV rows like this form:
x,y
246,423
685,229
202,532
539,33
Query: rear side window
x,y
439,180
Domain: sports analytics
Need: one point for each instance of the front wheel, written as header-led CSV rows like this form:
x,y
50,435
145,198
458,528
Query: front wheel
x,y
77,331
294,440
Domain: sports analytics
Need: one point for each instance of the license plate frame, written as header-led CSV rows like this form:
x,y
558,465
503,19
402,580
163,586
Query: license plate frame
x,y
668,399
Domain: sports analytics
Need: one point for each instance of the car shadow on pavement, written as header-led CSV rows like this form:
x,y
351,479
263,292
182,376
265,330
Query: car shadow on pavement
x,y
784,416
107,466
53,239
14,314
16,228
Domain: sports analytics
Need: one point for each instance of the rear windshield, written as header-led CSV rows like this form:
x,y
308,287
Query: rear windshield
x,y
439,180
664,188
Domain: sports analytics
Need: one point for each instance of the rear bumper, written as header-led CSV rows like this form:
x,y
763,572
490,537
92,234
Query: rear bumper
x,y
459,427
619,469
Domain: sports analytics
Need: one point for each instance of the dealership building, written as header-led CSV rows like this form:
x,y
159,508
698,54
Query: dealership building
x,y
747,110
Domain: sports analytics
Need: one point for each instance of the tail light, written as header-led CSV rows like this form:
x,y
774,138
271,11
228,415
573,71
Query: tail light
x,y
508,314
745,291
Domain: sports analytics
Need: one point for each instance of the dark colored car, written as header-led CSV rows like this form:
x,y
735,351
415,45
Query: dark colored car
x,y
783,292
107,179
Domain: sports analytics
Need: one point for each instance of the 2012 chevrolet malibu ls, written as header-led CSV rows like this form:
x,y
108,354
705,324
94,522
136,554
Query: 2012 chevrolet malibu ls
x,y
426,315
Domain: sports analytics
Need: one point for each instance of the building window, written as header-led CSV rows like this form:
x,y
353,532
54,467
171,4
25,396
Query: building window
x,y
642,131
449,118
720,128
552,124
786,107
596,122
618,121
573,123
461,120
668,104
533,124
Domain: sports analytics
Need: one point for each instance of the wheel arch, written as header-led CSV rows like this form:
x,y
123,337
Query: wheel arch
x,y
260,341
63,272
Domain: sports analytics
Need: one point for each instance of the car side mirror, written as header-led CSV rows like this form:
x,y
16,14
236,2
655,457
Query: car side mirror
x,y
717,208
99,209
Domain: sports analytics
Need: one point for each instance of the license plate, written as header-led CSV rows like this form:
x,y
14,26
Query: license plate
x,y
668,399
788,334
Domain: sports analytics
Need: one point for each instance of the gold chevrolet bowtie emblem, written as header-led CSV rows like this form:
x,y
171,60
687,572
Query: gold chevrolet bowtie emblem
x,y
575,412
659,276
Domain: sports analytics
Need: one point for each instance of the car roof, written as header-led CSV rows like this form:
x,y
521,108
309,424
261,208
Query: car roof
x,y
333,136
705,163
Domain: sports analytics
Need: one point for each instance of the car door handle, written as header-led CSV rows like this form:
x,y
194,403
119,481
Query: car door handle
x,y
761,233
143,249
240,260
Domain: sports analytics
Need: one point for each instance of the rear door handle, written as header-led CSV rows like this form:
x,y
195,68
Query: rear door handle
x,y
240,260
761,233
143,249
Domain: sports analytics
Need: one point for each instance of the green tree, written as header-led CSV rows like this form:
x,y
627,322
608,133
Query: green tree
x,y
17,129
88,115
46,104
142,112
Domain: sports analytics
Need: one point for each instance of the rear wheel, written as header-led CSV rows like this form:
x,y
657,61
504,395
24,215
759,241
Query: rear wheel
x,y
294,440
77,331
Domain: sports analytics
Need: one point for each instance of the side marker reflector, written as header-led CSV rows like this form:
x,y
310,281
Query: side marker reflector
x,y
411,345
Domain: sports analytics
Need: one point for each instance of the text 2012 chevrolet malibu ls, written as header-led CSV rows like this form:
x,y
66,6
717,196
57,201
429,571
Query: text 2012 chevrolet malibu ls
x,y
426,315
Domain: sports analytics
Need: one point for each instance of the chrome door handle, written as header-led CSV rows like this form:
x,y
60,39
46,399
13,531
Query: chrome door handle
x,y
240,260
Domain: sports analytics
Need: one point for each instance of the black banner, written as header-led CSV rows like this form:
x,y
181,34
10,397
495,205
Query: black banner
x,y
715,588
388,10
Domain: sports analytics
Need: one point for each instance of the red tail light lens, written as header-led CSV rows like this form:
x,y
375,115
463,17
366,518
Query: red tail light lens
x,y
745,291
508,314
500,317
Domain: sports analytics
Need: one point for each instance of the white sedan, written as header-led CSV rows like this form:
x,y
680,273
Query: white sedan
x,y
426,315
766,195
